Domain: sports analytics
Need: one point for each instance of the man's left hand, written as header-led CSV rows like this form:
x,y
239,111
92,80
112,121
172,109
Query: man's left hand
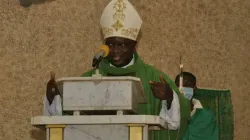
x,y
161,90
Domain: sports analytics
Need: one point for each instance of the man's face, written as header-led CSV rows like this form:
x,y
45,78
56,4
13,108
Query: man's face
x,y
121,50
187,82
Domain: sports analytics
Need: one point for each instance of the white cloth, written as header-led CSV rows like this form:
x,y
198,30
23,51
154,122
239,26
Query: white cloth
x,y
55,109
197,104
172,116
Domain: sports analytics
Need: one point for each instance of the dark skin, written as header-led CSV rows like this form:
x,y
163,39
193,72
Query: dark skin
x,y
188,82
52,89
121,50
121,53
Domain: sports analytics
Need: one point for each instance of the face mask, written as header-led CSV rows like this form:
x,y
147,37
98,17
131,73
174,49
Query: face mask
x,y
188,92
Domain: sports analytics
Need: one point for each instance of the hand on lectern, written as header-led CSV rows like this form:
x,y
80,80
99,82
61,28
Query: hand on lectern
x,y
161,90
52,89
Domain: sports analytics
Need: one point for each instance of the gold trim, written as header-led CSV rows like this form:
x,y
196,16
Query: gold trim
x,y
119,16
107,31
136,133
119,7
131,32
56,131
56,134
132,125
55,126
118,25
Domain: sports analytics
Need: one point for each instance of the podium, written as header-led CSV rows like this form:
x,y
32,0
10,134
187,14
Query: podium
x,y
100,108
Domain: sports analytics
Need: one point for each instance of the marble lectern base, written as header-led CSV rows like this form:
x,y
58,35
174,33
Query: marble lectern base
x,y
99,127
96,132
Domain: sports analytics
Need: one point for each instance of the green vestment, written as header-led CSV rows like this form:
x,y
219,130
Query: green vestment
x,y
146,73
220,103
202,126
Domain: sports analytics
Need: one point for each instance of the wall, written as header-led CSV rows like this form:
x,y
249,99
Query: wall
x,y
62,35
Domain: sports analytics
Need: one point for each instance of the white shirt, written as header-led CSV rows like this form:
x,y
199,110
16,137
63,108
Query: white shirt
x,y
197,104
172,116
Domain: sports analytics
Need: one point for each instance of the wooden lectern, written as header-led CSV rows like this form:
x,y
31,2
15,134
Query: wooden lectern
x,y
100,108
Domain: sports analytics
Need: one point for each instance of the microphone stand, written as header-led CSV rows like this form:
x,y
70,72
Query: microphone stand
x,y
95,64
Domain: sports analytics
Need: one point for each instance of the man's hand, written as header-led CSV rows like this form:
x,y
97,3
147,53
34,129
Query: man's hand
x,y
161,90
52,89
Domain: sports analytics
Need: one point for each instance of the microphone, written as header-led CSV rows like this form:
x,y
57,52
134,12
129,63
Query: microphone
x,y
103,51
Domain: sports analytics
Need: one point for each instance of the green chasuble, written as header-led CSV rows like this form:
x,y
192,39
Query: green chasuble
x,y
202,126
146,73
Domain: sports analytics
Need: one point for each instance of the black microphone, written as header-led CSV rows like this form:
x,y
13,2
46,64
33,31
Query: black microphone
x,y
103,51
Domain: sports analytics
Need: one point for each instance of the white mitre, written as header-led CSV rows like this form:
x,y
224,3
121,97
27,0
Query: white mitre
x,y
120,19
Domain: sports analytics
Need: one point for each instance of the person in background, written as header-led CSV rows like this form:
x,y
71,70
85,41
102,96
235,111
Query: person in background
x,y
202,123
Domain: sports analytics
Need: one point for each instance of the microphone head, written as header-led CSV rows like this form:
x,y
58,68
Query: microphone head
x,y
104,48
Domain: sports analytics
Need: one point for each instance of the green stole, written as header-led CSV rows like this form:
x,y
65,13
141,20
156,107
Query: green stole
x,y
146,73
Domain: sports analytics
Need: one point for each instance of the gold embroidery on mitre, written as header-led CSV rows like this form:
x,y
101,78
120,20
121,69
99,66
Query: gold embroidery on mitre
x,y
119,16
119,7
118,25
107,31
130,32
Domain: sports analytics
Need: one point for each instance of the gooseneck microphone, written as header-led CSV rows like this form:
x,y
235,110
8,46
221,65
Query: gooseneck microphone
x,y
102,52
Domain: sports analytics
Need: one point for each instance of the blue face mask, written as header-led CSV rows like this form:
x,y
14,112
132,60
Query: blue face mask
x,y
188,92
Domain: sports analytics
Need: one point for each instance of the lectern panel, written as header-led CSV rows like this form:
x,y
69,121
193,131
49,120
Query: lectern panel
x,y
108,95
